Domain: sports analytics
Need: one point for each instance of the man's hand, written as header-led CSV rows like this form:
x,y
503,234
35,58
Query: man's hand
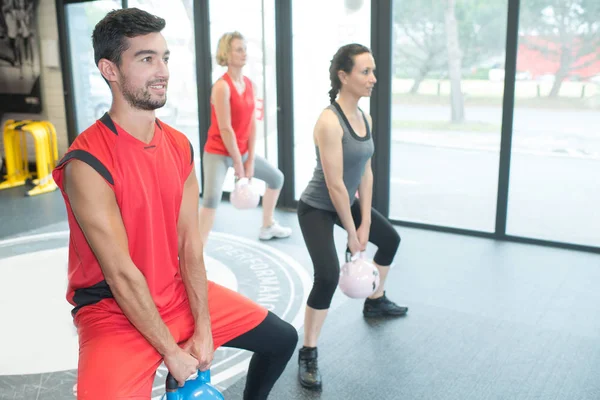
x,y
201,346
249,167
181,364
362,234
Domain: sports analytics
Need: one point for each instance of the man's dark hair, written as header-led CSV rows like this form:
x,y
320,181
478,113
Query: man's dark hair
x,y
110,34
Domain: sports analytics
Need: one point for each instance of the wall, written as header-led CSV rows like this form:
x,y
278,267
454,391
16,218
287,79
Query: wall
x,y
53,102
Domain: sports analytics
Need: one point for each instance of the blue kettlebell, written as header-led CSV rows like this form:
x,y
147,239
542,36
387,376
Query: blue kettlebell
x,y
197,389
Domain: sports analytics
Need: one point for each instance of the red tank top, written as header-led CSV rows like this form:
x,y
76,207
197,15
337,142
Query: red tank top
x,y
148,181
242,113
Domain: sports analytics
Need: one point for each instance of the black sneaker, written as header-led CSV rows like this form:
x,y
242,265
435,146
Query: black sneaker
x,y
308,368
383,307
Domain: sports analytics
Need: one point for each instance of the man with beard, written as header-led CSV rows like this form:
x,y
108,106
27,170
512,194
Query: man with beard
x,y
137,279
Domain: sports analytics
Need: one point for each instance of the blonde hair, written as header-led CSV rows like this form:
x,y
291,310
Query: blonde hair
x,y
224,46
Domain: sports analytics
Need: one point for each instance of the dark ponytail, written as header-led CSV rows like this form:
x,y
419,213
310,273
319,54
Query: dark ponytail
x,y
343,60
334,90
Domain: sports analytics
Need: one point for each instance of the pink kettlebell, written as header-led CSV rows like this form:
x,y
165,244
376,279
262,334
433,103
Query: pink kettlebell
x,y
359,278
244,196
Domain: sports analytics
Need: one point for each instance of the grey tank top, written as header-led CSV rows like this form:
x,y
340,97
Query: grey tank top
x,y
357,151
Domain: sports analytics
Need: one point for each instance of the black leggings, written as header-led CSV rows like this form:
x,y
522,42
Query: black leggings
x,y
273,342
317,229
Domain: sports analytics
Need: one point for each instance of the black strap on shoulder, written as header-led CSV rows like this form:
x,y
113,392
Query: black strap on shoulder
x,y
89,159
106,120
191,153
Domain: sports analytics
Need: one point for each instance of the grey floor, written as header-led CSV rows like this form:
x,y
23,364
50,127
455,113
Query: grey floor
x,y
20,214
487,320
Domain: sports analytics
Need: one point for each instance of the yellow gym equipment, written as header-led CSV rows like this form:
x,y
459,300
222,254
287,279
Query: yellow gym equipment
x,y
17,162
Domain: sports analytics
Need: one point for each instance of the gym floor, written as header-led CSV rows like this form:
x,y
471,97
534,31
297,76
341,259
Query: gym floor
x,y
487,319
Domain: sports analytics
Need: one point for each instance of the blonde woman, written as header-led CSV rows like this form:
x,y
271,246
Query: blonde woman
x,y
232,138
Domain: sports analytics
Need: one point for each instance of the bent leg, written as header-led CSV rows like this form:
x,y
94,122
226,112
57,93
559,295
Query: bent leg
x,y
273,178
214,170
115,360
273,342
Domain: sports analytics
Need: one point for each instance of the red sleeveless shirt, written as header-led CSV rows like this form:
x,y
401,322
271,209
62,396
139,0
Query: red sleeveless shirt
x,y
148,181
242,113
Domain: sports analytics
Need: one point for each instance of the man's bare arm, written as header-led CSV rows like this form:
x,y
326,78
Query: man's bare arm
x,y
191,259
95,208
193,273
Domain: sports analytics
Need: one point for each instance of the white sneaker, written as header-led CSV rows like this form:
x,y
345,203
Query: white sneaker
x,y
274,231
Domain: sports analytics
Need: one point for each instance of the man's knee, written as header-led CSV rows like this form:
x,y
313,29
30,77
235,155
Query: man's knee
x,y
289,336
273,337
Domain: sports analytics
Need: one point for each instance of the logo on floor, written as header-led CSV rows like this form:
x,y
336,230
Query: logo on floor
x,y
258,271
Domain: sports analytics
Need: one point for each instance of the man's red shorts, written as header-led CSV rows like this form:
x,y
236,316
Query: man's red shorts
x,y
117,362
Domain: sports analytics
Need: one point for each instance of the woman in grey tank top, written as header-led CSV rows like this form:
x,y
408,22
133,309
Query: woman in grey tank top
x,y
344,147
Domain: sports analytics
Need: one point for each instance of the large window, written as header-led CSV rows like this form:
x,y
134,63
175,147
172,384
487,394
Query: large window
x,y
554,187
319,29
92,95
447,94
255,20
448,79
